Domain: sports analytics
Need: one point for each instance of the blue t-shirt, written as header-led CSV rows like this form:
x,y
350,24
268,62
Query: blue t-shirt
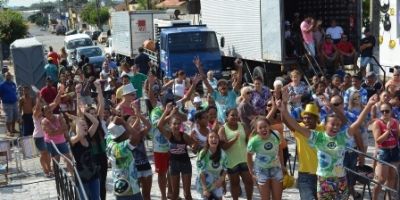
x,y
51,70
8,92
224,103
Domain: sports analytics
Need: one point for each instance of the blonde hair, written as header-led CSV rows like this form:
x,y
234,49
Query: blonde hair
x,y
295,72
351,103
243,92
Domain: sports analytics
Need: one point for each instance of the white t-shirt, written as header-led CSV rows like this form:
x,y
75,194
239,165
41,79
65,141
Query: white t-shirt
x,y
336,32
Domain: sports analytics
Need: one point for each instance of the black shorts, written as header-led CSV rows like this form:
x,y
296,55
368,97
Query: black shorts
x,y
241,167
180,167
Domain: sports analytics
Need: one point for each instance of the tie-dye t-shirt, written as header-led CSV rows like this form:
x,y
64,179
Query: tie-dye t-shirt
x,y
266,150
330,152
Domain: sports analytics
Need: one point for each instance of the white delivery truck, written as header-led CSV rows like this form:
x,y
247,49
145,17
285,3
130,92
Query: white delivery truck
x,y
131,29
255,29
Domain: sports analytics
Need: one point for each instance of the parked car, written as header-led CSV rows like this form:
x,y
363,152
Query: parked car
x,y
94,53
72,42
102,37
95,35
89,33
60,29
71,32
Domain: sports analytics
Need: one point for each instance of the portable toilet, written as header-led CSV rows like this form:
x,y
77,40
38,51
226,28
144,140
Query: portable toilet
x,y
29,61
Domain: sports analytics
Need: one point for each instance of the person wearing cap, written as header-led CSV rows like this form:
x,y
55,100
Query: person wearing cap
x,y
224,98
119,92
128,100
372,84
356,81
51,70
366,50
49,93
329,54
53,55
121,140
9,99
330,146
347,52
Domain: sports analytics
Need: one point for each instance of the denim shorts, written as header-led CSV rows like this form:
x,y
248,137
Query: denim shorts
x,y
263,175
307,185
63,148
11,112
241,167
40,144
137,196
388,155
144,173
179,167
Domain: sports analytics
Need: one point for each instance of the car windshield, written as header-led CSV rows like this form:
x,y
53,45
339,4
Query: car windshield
x,y
73,44
195,41
90,52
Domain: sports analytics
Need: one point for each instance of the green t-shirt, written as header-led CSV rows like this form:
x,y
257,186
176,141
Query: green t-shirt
x,y
266,150
237,152
330,152
137,81
160,142
123,163
212,170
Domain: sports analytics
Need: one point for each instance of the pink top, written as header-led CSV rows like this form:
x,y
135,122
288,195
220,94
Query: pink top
x,y
307,36
391,141
58,137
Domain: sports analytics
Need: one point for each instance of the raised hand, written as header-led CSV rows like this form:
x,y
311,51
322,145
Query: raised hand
x,y
285,95
169,107
197,61
238,62
373,100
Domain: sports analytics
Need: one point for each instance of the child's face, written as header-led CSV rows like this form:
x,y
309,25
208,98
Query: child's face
x,y
263,129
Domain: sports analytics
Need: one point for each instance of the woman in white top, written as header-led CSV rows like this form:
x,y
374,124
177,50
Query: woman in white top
x,y
38,134
179,84
200,131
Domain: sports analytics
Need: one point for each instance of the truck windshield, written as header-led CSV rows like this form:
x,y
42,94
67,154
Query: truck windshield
x,y
73,44
192,41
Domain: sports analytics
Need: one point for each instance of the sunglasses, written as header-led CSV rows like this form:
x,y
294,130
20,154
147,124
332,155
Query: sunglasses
x,y
337,104
269,105
385,111
248,93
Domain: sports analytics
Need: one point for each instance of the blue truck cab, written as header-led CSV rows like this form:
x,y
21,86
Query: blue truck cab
x,y
178,45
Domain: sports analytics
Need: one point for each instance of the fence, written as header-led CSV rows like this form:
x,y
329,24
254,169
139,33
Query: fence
x,y
67,187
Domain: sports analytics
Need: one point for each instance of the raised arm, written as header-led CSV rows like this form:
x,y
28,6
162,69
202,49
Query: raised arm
x,y
100,99
200,68
163,121
95,124
237,83
356,125
290,122
192,88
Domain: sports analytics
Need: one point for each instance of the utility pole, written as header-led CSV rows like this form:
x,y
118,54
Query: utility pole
x,y
98,15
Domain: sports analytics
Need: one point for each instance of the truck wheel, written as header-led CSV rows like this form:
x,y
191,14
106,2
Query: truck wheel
x,y
258,72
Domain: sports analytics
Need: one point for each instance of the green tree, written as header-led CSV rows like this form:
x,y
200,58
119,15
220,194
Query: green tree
x,y
12,26
92,16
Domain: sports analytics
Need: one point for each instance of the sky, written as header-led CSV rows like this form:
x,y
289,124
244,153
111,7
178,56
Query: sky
x,y
12,3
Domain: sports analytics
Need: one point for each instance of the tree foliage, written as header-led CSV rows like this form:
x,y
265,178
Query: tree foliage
x,y
12,26
90,15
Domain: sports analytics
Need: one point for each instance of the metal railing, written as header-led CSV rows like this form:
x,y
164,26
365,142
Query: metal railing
x,y
381,68
67,187
384,187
